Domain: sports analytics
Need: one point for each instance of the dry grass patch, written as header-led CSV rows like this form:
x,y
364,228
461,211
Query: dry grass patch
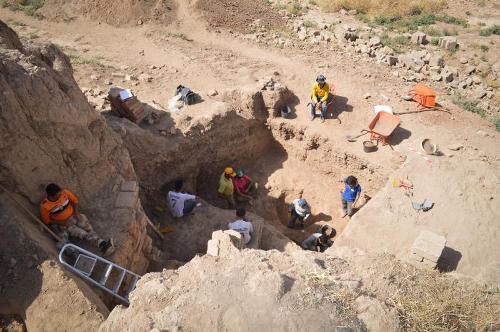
x,y
430,301
323,288
384,7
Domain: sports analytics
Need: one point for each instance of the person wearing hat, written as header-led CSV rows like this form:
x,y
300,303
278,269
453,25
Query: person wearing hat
x,y
243,186
226,187
300,210
320,94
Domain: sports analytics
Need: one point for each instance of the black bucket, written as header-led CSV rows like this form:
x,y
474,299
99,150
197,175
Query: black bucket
x,y
369,146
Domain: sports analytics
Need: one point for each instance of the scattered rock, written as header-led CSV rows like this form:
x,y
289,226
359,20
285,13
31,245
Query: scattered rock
x,y
469,69
463,60
482,133
118,75
367,96
455,147
212,93
145,78
436,77
374,41
436,61
479,94
95,77
139,22
392,60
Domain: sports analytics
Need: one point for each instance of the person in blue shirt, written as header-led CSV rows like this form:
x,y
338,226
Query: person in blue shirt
x,y
350,195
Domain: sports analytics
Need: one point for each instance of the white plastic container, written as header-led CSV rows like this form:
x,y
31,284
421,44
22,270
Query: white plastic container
x,y
383,108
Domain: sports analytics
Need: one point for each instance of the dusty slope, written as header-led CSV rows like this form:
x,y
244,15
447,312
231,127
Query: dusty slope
x,y
239,15
112,12
34,286
297,291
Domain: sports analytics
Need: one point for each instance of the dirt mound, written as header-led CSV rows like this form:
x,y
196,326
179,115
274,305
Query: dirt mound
x,y
238,15
127,12
300,290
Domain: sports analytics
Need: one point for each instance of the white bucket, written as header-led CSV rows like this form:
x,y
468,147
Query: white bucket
x,y
383,108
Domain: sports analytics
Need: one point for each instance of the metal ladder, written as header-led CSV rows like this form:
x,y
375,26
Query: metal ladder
x,y
104,274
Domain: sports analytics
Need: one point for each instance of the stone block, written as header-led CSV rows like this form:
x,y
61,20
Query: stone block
x,y
236,238
127,200
129,186
419,38
449,43
218,235
428,246
213,247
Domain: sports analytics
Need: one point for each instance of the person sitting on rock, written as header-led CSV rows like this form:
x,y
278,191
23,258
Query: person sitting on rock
x,y
180,203
226,187
350,195
60,211
242,226
300,210
315,242
243,186
320,94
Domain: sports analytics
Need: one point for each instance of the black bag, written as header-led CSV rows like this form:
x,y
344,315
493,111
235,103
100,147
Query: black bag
x,y
187,95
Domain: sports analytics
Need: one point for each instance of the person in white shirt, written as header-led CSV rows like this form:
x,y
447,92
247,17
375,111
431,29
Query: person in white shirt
x,y
179,203
299,210
242,226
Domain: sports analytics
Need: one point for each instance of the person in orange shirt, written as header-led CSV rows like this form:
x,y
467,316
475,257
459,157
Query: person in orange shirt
x,y
60,211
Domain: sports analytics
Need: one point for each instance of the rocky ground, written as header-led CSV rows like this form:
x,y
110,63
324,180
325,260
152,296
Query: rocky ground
x,y
246,65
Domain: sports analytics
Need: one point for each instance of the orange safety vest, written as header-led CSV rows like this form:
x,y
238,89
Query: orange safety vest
x,y
60,210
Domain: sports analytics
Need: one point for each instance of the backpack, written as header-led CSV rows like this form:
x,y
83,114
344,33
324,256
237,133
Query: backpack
x,y
187,95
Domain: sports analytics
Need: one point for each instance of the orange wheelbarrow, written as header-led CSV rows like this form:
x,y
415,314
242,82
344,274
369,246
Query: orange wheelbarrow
x,y
382,126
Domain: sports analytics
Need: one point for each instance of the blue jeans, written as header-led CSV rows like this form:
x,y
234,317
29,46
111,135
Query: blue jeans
x,y
324,106
293,219
347,206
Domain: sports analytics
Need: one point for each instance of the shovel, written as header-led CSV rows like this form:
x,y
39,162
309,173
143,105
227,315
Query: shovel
x,y
351,138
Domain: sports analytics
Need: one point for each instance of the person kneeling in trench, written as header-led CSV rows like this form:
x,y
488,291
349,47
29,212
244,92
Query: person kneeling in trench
x,y
60,212
226,187
315,242
350,196
242,226
244,187
180,203
300,210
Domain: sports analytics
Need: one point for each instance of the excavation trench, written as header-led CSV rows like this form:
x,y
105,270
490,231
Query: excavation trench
x,y
286,160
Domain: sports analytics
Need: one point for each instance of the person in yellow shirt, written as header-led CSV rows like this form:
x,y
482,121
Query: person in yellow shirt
x,y
226,187
320,94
